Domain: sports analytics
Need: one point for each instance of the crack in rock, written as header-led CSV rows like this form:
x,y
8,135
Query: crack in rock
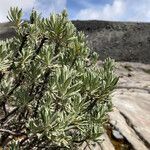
x,y
138,88
118,121
133,127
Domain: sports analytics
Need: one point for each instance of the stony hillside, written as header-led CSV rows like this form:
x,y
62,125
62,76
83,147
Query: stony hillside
x,y
121,41
6,31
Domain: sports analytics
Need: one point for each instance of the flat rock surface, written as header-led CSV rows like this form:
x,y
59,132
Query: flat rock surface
x,y
131,113
104,145
131,99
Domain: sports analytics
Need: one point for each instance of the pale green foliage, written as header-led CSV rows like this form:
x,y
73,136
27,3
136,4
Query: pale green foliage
x,y
51,77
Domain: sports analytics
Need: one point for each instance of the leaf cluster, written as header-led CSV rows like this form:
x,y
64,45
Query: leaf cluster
x,y
59,96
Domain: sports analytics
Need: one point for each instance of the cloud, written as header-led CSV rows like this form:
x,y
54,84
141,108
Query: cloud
x,y
6,4
118,10
42,6
138,10
103,12
115,10
47,6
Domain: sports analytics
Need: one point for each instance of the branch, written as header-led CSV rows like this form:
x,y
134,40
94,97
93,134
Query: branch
x,y
11,132
43,88
4,108
73,62
39,48
3,102
56,49
24,39
90,107
20,79
1,75
9,114
40,90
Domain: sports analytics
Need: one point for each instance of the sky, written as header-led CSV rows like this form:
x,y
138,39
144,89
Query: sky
x,y
110,10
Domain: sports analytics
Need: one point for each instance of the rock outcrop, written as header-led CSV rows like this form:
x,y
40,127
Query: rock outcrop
x,y
130,117
132,101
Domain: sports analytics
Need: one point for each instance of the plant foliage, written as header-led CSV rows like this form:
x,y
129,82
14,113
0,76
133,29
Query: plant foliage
x,y
53,94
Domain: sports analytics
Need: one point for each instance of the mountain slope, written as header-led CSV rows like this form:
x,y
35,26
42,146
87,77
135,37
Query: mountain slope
x,y
119,40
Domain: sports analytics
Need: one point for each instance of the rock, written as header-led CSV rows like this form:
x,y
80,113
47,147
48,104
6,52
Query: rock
x,y
89,146
104,145
134,107
132,101
119,40
118,121
117,135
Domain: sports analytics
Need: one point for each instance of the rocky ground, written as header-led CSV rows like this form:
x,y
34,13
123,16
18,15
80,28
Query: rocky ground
x,y
130,120
123,41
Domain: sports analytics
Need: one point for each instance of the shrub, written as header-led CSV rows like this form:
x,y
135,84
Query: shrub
x,y
53,94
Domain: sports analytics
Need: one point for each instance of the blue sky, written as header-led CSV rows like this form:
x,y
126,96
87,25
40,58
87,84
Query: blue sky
x,y
112,10
75,6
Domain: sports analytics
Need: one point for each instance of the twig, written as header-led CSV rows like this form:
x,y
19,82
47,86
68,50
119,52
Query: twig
x,y
11,132
5,98
4,108
43,87
1,75
8,115
39,48
56,48
24,39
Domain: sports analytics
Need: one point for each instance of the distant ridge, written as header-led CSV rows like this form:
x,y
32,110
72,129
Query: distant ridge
x,y
123,41
6,30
